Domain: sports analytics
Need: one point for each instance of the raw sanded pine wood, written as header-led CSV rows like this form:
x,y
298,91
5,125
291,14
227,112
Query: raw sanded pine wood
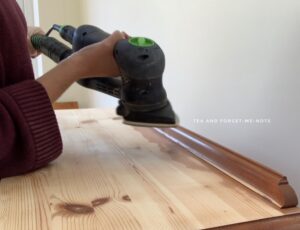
x,y
113,176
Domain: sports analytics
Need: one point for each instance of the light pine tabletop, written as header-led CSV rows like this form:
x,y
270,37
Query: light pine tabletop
x,y
112,176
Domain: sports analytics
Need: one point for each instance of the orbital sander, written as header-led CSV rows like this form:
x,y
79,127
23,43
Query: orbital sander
x,y
142,98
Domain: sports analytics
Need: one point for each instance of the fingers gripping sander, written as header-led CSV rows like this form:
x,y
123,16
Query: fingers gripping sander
x,y
142,97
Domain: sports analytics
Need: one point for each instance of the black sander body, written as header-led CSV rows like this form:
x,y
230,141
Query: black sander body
x,y
142,97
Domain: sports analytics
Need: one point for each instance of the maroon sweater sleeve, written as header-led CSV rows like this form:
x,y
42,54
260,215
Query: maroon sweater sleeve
x,y
29,133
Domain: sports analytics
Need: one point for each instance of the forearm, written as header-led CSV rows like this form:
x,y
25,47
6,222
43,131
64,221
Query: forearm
x,y
60,78
91,61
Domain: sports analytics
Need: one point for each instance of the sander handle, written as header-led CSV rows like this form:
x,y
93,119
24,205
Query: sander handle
x,y
58,51
51,47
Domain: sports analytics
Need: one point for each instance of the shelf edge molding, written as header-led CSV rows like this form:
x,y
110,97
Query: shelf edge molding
x,y
287,222
259,178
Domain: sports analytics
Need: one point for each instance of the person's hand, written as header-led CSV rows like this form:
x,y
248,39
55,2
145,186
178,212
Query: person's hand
x,y
97,59
32,31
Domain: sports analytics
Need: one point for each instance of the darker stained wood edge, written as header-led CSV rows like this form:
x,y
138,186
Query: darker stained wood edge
x,y
266,181
65,105
288,222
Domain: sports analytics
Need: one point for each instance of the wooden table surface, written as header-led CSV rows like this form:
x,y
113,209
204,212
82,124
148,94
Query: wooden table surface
x,y
111,176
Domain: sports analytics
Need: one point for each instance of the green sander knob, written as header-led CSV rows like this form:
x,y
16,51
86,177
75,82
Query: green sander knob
x,y
142,63
141,42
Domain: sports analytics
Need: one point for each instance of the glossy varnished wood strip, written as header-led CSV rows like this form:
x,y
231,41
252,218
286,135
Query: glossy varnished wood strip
x,y
258,177
287,222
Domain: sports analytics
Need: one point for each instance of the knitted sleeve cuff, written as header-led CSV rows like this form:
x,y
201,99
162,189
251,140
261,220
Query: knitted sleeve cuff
x,y
33,101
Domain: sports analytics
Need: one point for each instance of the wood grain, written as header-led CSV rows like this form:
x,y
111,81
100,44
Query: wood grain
x,y
256,176
111,176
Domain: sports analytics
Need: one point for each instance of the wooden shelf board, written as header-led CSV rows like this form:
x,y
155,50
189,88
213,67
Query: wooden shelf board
x,y
113,176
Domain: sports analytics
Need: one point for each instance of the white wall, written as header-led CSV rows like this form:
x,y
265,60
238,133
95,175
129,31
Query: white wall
x,y
63,12
225,59
68,12
28,8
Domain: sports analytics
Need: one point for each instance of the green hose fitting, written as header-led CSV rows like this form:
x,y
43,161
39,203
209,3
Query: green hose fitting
x,y
36,41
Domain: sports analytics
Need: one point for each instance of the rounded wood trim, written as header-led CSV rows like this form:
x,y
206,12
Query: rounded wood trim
x,y
252,174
